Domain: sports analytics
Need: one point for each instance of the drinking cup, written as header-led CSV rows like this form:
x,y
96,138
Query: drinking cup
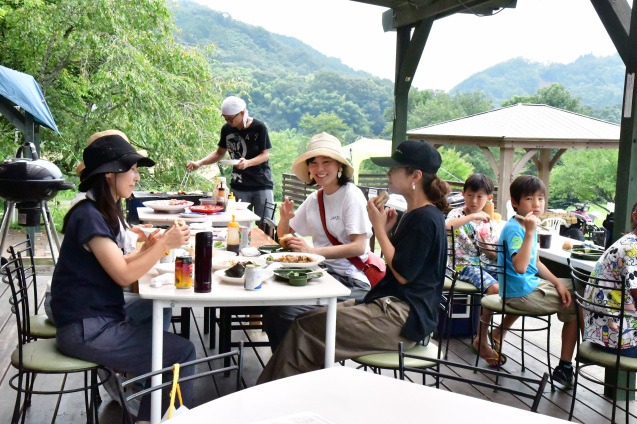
x,y
545,240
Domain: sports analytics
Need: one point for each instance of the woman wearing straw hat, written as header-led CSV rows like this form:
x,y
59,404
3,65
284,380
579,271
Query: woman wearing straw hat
x,y
87,285
247,140
346,219
403,306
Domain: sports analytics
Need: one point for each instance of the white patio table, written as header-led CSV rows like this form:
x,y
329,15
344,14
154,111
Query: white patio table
x,y
347,395
242,216
320,291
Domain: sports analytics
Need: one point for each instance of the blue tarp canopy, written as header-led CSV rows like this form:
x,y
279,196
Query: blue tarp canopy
x,y
22,90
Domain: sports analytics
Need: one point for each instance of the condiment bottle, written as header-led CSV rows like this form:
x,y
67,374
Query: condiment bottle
x,y
221,195
215,191
231,204
234,238
203,262
489,208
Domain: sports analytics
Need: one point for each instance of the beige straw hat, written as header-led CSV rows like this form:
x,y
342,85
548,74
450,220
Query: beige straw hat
x,y
322,144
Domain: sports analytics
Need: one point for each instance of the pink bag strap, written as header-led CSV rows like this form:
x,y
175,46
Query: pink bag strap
x,y
356,261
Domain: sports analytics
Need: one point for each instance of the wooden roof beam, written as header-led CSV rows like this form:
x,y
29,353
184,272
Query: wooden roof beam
x,y
409,13
615,16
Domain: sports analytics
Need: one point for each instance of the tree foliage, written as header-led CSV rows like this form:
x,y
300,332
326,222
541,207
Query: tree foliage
x,y
585,175
115,64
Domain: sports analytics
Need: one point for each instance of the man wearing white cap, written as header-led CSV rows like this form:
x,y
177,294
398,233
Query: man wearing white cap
x,y
247,140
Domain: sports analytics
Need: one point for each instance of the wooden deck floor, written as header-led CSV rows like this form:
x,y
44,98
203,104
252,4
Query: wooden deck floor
x,y
591,407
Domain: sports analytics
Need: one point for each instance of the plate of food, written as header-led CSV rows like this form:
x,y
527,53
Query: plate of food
x,y
223,275
586,253
207,209
168,205
293,259
229,162
225,262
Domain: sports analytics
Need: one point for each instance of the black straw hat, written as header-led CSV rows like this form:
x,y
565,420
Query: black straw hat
x,y
419,154
110,153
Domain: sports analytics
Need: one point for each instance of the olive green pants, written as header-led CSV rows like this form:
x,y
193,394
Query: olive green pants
x,y
360,330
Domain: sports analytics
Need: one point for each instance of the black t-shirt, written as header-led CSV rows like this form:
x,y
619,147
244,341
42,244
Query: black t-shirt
x,y
80,287
420,257
248,143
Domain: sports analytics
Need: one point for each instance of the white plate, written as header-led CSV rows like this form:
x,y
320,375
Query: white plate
x,y
221,262
242,205
194,217
165,206
168,267
229,162
317,259
221,273
149,231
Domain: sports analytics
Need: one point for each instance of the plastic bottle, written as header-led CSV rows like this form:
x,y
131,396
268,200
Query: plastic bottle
x,y
231,204
221,194
234,238
489,208
215,190
203,262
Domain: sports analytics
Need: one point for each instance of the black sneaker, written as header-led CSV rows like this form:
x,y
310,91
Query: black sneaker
x,y
564,375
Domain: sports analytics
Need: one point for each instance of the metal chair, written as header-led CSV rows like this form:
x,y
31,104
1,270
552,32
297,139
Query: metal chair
x,y
269,227
39,325
553,224
269,209
33,357
236,356
446,370
497,305
590,352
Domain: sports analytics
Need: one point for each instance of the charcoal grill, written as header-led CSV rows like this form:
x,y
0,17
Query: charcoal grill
x,y
27,184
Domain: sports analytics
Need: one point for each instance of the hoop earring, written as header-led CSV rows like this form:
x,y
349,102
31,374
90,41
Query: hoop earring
x,y
413,185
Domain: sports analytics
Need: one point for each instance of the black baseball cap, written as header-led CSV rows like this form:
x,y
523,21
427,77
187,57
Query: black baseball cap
x,y
110,153
419,154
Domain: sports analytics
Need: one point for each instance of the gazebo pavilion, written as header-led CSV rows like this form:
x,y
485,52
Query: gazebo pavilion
x,y
538,129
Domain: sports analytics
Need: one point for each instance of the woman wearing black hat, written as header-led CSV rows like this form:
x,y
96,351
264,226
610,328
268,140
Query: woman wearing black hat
x,y
87,297
403,306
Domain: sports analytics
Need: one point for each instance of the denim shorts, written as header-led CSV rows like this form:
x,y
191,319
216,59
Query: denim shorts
x,y
471,274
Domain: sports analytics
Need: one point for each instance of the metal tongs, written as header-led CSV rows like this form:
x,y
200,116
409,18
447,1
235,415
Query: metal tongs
x,y
185,179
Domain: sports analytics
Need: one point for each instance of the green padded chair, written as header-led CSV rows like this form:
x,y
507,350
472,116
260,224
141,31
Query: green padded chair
x,y
590,352
497,305
33,357
39,326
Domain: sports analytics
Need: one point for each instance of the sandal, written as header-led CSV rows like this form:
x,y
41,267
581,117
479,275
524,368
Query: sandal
x,y
492,361
494,341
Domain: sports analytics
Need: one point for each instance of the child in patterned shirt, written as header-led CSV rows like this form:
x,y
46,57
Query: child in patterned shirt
x,y
619,261
470,226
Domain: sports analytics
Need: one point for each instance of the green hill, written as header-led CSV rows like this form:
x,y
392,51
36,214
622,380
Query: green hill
x,y
240,45
598,81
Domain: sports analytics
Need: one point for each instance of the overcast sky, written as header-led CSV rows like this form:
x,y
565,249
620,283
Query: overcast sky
x,y
458,46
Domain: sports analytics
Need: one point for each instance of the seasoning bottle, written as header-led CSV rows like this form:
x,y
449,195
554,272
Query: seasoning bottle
x,y
221,195
231,204
203,262
234,238
489,208
215,190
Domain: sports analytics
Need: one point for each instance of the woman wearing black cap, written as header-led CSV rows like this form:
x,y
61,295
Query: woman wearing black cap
x,y
403,306
87,298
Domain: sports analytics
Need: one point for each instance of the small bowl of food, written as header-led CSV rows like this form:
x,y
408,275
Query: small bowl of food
x,y
297,278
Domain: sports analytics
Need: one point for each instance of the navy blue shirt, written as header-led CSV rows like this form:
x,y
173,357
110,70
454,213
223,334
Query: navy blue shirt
x,y
80,287
248,143
420,257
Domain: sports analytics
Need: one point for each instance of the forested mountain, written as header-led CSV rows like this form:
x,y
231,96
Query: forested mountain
x,y
598,81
